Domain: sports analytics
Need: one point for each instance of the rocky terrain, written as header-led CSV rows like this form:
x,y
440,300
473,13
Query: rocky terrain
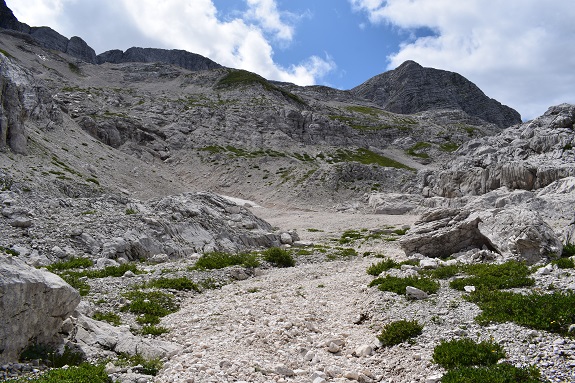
x,y
138,165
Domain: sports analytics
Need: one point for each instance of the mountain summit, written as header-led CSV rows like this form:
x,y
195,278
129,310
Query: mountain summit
x,y
411,88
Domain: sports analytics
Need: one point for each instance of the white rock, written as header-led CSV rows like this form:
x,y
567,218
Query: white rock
x,y
282,369
433,378
469,289
351,375
428,263
415,293
363,350
286,239
333,348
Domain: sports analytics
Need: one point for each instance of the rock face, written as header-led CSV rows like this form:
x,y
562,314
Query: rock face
x,y
411,88
181,58
528,156
9,21
33,305
515,233
21,99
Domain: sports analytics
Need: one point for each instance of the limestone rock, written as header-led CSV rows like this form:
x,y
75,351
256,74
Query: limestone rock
x,y
187,60
393,203
415,293
33,305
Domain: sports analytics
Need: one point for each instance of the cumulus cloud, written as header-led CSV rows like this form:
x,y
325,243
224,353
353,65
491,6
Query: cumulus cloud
x,y
195,26
36,12
519,52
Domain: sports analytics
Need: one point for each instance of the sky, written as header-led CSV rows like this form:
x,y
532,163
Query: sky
x,y
519,52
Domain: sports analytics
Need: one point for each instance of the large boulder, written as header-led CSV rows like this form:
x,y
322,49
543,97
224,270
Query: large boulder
x,y
33,305
515,233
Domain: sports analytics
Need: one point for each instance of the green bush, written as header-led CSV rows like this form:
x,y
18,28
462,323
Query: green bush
x,y
155,303
219,260
153,330
465,352
149,366
564,263
84,373
381,266
398,285
568,250
148,319
443,272
349,236
74,280
181,284
498,373
399,331
73,263
504,276
279,257
51,357
109,317
550,312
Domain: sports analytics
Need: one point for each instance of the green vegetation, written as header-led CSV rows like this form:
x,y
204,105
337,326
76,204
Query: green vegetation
x,y
279,257
51,357
398,285
153,330
550,312
5,53
9,251
564,263
154,303
74,68
399,331
465,352
149,366
366,157
504,276
130,211
416,150
84,373
239,77
180,284
444,272
449,147
568,250
72,263
349,236
243,153
219,260
109,317
471,362
498,373
381,266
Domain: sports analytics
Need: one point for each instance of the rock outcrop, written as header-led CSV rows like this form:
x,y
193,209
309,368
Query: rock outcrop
x,y
411,88
514,233
33,305
181,58
528,156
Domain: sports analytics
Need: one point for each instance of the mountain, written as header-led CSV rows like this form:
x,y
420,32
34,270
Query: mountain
x,y
183,59
411,88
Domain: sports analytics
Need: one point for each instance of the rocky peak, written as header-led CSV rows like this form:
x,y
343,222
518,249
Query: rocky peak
x,y
411,88
181,58
9,21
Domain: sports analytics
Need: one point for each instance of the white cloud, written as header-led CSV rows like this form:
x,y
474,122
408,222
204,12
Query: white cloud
x,y
519,52
194,26
37,12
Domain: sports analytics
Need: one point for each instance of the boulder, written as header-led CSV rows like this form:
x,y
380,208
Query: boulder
x,y
393,203
514,232
33,305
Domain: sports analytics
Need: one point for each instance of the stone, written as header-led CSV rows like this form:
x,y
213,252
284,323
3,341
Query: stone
x,y
433,378
333,348
469,289
286,239
34,303
428,263
22,222
363,350
415,293
282,369
351,375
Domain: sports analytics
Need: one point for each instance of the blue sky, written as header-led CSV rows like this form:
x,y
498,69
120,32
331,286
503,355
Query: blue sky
x,y
520,52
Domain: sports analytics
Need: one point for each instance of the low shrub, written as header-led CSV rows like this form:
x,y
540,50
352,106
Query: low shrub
x,y
155,303
109,317
219,260
399,331
51,357
504,276
73,263
564,263
550,312
180,284
279,257
568,250
349,236
465,352
398,285
444,272
153,330
381,266
79,284
498,373
84,373
149,366
148,319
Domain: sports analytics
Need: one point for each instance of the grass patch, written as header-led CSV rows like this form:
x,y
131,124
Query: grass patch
x,y
149,366
397,285
349,236
219,260
416,150
109,317
153,330
499,373
465,352
550,312
5,53
51,357
443,272
8,251
74,68
73,263
180,284
156,303
79,284
449,147
367,157
130,211
84,373
399,331
278,257
504,276
381,266
568,250
564,263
